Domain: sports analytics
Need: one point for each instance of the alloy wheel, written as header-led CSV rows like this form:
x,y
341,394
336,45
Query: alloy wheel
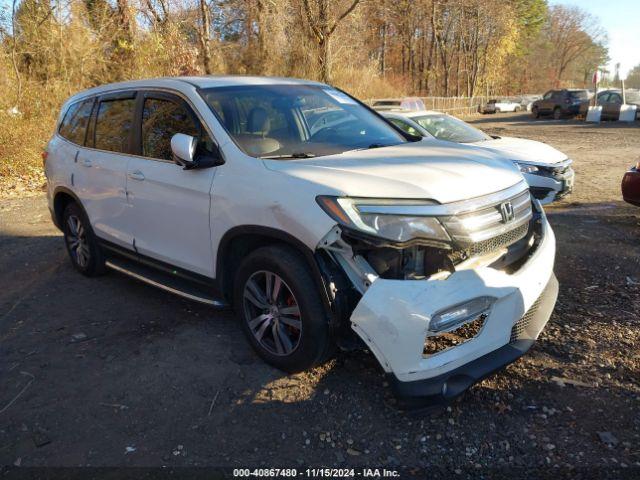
x,y
77,241
272,313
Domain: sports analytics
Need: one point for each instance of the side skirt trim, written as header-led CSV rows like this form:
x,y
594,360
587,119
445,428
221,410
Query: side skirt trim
x,y
164,287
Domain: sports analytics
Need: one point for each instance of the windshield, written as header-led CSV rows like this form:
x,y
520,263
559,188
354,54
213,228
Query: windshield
x,y
297,121
445,127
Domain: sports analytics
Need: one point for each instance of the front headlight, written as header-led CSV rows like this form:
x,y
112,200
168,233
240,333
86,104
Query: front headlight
x,y
383,218
526,168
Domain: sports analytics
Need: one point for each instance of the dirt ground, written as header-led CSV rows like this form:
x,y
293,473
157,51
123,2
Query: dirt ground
x,y
110,372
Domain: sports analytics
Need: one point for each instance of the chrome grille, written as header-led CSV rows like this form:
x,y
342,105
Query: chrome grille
x,y
488,226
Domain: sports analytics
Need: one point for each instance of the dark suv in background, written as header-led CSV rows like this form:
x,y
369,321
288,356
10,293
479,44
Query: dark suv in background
x,y
560,103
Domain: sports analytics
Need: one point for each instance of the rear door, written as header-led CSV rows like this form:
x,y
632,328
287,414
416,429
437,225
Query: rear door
x,y
168,207
611,107
102,166
64,154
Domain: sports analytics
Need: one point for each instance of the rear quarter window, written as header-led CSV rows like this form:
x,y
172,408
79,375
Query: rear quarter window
x,y
74,124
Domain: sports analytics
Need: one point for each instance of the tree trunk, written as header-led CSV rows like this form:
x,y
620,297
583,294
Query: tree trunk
x,y
383,49
204,36
325,59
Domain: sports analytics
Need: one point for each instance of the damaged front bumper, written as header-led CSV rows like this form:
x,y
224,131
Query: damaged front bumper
x,y
551,183
393,318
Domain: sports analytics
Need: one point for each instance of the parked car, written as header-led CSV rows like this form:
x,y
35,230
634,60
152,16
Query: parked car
x,y
611,101
489,107
214,188
408,103
526,101
547,170
560,103
497,106
508,105
631,185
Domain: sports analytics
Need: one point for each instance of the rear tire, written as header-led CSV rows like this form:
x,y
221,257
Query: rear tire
x,y
557,114
535,112
82,245
280,309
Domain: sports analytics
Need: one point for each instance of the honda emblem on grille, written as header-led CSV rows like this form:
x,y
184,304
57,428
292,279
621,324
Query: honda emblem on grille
x,y
506,210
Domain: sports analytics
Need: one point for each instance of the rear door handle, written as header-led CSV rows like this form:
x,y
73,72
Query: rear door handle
x,y
136,175
86,162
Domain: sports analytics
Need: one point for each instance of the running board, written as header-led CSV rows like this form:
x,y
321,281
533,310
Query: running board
x,y
165,282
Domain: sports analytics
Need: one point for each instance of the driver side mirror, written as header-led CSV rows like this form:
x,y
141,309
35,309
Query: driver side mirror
x,y
186,154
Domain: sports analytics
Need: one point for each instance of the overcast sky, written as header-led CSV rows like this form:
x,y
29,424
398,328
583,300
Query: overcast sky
x,y
621,19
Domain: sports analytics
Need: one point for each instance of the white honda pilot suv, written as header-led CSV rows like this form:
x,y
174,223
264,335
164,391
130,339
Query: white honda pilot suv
x,y
321,224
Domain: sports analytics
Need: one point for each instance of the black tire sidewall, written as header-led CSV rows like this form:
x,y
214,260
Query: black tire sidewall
x,y
95,265
292,268
557,114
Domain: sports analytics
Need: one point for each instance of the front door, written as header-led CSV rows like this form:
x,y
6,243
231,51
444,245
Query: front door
x,y
546,103
169,207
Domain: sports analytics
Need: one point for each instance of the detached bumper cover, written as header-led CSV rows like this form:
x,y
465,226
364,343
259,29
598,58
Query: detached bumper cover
x,y
393,318
445,387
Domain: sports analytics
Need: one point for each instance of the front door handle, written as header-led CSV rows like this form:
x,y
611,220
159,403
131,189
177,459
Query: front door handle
x,y
86,162
136,175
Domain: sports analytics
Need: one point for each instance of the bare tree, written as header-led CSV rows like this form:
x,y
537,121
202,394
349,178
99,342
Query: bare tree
x,y
322,26
204,36
14,61
573,33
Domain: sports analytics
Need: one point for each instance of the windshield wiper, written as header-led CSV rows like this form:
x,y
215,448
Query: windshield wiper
x,y
290,155
373,145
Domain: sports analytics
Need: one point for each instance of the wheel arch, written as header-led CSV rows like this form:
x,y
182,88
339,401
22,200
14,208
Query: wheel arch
x,y
62,196
240,241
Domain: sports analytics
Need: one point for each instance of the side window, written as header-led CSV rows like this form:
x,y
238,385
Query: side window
x,y
74,124
113,124
405,126
615,98
161,120
547,95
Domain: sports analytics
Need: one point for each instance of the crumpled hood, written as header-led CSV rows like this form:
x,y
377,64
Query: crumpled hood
x,y
520,149
429,169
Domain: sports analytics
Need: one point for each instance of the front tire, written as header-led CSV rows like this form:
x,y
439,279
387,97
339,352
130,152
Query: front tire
x,y
535,112
82,245
280,309
557,114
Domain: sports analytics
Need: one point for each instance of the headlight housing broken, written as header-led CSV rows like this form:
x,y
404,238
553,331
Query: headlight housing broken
x,y
360,214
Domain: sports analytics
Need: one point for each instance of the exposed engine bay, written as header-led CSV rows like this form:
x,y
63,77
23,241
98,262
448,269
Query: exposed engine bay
x,y
351,261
